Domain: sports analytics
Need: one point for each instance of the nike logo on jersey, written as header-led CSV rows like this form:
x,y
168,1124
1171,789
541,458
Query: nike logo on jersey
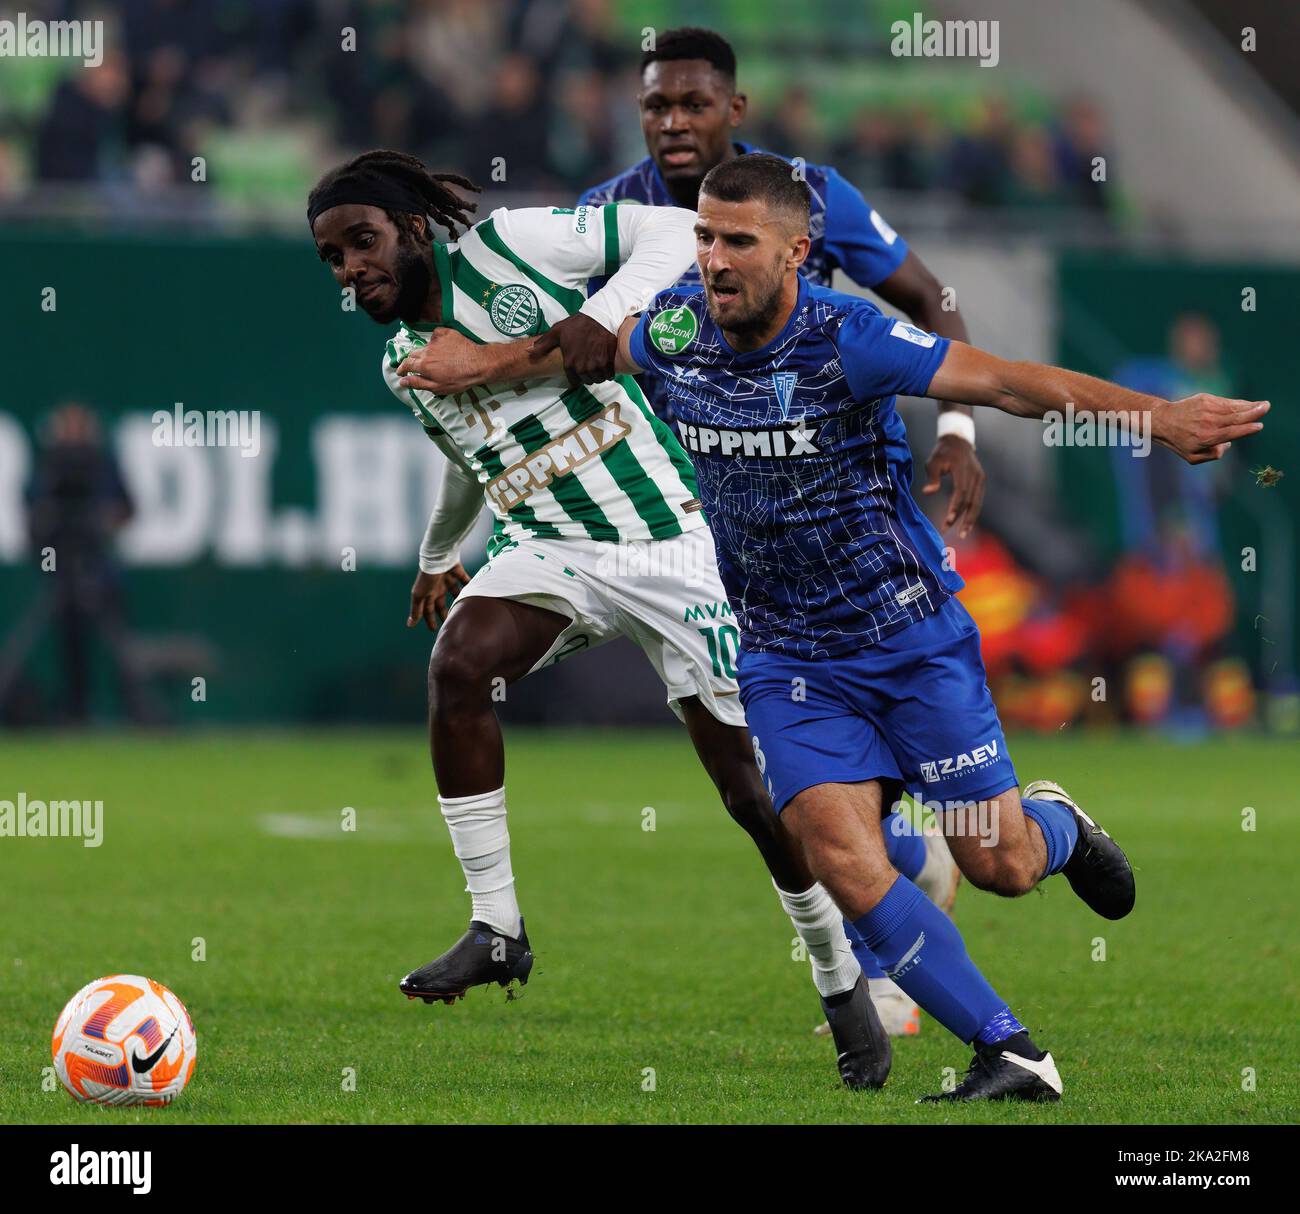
x,y
770,444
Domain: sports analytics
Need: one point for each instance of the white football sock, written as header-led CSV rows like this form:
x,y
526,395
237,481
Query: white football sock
x,y
482,845
821,927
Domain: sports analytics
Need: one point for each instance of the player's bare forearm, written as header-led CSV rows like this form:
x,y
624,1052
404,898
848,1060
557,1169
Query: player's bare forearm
x,y
451,363
1198,428
624,363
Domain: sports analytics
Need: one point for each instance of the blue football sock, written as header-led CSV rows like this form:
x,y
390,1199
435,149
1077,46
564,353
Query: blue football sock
x,y
905,847
921,949
866,958
1060,830
999,1028
904,844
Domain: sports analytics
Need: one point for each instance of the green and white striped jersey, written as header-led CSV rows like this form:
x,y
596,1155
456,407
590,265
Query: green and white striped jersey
x,y
554,460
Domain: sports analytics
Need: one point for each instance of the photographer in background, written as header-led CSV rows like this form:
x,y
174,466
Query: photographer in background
x,y
77,502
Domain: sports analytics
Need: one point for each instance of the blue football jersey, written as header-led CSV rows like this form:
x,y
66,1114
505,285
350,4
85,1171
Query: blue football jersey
x,y
847,233
803,467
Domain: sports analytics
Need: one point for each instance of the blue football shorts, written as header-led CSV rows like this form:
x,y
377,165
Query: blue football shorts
x,y
913,709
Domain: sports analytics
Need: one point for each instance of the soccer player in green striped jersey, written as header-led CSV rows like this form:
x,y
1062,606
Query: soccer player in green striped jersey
x,y
598,530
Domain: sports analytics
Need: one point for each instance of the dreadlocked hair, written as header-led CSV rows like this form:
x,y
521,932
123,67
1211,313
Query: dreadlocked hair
x,y
443,204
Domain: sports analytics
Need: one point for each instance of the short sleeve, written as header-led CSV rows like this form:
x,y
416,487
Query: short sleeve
x,y
674,319
858,239
637,345
882,356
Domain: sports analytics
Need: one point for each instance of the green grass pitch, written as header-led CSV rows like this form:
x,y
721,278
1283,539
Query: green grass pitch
x,y
659,952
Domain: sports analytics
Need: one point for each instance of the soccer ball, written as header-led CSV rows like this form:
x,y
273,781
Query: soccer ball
x,y
124,1040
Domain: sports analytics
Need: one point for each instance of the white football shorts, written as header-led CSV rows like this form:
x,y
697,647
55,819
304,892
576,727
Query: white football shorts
x,y
663,594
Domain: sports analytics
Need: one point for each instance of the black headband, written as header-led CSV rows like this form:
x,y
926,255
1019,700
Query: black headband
x,y
367,189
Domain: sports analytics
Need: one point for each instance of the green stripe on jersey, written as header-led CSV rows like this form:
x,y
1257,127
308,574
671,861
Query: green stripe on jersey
x,y
566,489
631,478
522,514
427,420
447,264
667,439
611,237
571,300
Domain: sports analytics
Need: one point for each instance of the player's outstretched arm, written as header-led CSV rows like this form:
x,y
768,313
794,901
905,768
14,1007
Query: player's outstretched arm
x,y
1198,428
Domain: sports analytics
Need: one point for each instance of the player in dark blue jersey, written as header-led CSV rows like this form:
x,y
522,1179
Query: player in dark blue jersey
x,y
690,110
859,672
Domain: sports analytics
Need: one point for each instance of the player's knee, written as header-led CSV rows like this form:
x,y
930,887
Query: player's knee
x,y
836,864
459,676
751,810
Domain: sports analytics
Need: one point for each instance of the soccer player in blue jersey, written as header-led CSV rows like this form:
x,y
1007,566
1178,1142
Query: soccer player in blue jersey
x,y
690,109
859,671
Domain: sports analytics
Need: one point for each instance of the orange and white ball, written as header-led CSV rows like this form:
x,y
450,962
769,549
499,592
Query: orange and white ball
x,y
124,1040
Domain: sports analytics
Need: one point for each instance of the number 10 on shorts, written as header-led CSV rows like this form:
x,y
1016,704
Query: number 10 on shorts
x,y
724,645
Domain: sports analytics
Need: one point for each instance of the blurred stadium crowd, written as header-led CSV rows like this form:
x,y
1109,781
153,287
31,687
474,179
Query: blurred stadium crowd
x,y
258,87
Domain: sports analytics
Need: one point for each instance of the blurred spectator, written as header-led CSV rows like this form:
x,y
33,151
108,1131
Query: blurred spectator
x,y
866,153
513,129
1034,183
892,150
1171,603
792,127
455,47
77,502
85,117
980,164
10,173
1079,139
582,139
